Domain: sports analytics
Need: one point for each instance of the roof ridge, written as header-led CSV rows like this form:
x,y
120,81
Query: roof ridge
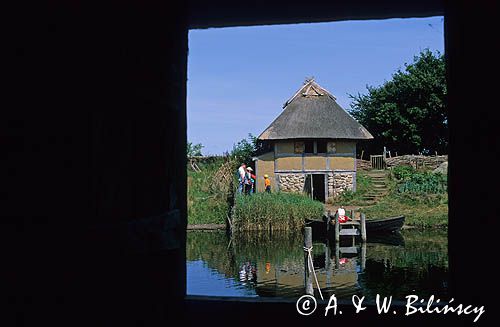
x,y
324,91
311,86
297,93
309,114
310,83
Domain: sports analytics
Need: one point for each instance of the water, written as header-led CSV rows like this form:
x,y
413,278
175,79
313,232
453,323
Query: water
x,y
262,265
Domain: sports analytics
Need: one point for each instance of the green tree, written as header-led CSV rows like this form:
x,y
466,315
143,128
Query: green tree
x,y
407,114
244,150
193,149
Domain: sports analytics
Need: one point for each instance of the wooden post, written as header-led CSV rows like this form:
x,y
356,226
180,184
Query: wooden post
x,y
328,221
363,227
337,228
337,255
312,187
308,278
363,256
362,152
328,263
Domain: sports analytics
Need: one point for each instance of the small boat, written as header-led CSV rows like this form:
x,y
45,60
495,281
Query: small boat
x,y
384,225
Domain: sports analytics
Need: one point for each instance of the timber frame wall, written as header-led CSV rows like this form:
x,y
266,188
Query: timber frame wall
x,y
328,168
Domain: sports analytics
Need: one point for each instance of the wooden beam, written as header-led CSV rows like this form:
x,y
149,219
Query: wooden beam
x,y
308,278
349,249
337,228
349,232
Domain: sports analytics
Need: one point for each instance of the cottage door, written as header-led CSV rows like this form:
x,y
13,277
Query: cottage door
x,y
318,187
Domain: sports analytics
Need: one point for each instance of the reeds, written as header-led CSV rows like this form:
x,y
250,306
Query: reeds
x,y
274,211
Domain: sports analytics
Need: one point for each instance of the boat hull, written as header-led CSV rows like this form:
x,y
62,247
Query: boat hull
x,y
384,225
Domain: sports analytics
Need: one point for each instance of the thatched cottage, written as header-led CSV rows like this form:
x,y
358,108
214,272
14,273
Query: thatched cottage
x,y
311,146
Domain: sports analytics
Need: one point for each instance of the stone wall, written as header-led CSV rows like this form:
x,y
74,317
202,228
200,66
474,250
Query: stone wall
x,y
291,182
340,182
431,162
363,164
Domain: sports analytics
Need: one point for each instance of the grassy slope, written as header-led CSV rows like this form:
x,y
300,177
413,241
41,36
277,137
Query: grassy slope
x,y
419,210
205,206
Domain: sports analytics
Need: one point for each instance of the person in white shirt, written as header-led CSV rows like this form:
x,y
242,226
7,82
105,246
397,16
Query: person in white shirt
x,y
241,178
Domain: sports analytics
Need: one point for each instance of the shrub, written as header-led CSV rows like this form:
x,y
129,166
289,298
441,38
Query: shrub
x,y
403,172
424,183
275,211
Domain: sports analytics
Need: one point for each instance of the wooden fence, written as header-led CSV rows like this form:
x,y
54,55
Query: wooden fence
x,y
378,161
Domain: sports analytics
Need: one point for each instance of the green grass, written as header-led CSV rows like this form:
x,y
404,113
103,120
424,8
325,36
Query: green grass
x,y
363,185
206,204
419,211
418,195
275,211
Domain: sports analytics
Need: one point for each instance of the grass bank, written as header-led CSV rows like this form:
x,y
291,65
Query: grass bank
x,y
419,212
420,196
274,211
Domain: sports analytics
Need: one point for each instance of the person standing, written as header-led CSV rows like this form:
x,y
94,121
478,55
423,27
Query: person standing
x,y
241,177
248,180
252,178
267,183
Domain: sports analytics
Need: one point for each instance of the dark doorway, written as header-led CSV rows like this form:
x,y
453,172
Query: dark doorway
x,y
315,186
318,181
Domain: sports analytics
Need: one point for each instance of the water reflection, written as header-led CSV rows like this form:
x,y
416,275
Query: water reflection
x,y
248,273
271,265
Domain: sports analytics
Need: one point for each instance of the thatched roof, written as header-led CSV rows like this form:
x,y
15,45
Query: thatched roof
x,y
313,113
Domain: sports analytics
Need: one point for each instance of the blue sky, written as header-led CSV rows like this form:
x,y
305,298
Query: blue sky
x,y
239,77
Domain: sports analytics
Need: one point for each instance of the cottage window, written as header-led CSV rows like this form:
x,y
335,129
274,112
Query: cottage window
x,y
299,147
321,147
331,147
309,147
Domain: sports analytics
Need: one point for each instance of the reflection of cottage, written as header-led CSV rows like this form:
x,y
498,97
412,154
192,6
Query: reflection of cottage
x,y
287,278
312,146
